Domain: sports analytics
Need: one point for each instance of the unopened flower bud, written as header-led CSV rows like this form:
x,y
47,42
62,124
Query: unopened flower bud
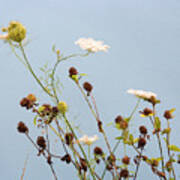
x,y
62,107
16,31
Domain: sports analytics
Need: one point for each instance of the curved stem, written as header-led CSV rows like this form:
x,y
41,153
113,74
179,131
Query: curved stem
x,y
32,72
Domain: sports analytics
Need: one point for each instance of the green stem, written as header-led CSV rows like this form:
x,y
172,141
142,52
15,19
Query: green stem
x,y
31,70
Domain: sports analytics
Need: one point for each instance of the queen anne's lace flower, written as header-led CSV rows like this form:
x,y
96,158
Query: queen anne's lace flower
x,y
147,95
91,45
87,140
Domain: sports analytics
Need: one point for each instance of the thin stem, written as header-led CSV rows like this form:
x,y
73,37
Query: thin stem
x,y
81,148
138,164
32,72
51,167
159,143
169,152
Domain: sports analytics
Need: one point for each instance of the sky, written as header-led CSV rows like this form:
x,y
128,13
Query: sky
x,y
144,37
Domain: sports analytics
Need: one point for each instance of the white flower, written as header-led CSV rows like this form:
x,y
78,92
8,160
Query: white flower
x,y
87,140
91,45
147,95
4,36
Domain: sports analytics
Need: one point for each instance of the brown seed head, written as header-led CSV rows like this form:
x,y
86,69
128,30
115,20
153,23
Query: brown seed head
x,y
66,158
126,160
69,138
124,173
123,124
168,114
22,128
83,164
141,142
41,142
72,71
55,110
118,119
98,151
143,130
147,111
24,102
88,87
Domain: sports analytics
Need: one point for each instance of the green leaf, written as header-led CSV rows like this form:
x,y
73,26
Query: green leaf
x,y
35,120
119,138
83,74
174,148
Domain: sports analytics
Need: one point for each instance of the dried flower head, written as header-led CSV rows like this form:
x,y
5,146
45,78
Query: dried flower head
x,y
143,130
141,142
72,71
91,45
168,114
69,138
32,98
41,142
146,112
88,87
66,158
22,128
126,160
146,95
83,164
98,151
118,119
124,173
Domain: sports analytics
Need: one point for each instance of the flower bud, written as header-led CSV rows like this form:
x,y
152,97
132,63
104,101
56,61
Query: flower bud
x,y
16,31
62,107
118,119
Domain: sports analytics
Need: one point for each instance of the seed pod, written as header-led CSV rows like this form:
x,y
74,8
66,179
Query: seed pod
x,y
22,128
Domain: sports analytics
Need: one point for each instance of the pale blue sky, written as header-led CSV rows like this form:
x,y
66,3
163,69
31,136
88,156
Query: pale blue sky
x,y
145,39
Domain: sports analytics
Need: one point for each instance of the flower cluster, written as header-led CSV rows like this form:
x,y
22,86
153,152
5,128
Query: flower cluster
x,y
91,45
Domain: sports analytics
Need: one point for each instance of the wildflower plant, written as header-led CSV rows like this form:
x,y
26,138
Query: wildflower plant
x,y
52,116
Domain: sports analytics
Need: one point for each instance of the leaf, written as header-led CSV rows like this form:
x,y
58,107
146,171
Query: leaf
x,y
83,74
172,110
109,124
35,120
119,138
157,123
174,148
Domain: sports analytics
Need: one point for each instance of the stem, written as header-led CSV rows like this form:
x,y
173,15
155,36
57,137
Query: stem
x,y
81,148
138,164
32,72
159,143
169,152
